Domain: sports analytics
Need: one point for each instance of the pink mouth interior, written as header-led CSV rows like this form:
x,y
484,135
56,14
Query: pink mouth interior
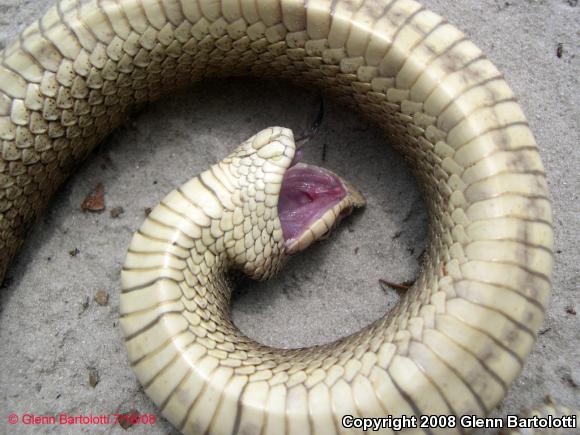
x,y
307,193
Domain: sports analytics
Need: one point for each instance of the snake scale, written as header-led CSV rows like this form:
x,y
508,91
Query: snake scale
x,y
459,336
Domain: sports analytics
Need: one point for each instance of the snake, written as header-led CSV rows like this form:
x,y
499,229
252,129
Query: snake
x,y
457,338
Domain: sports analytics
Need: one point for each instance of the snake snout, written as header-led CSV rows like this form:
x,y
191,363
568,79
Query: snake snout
x,y
313,200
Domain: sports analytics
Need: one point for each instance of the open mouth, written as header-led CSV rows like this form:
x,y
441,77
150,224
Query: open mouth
x,y
308,192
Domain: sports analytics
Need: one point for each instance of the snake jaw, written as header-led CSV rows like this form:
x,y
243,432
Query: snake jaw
x,y
313,200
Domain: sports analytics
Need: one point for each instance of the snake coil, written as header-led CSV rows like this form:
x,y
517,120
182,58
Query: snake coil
x,y
458,338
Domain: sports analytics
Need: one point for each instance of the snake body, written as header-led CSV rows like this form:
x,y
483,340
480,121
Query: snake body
x,y
456,340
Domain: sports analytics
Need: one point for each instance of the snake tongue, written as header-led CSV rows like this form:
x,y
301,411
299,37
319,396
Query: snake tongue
x,y
312,201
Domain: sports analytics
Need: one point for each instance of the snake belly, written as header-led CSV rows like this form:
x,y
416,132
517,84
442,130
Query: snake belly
x,y
456,340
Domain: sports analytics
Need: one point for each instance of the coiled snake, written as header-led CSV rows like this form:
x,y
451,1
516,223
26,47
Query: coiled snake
x,y
456,340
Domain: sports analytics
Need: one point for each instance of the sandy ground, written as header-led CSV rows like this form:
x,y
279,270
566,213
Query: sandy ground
x,y
53,333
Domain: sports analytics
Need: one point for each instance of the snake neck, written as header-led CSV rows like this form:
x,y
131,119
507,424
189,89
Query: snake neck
x,y
226,218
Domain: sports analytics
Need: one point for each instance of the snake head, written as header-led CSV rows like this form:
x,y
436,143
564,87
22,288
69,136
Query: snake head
x,y
287,205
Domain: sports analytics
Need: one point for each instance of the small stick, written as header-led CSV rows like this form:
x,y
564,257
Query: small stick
x,y
399,287
313,129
